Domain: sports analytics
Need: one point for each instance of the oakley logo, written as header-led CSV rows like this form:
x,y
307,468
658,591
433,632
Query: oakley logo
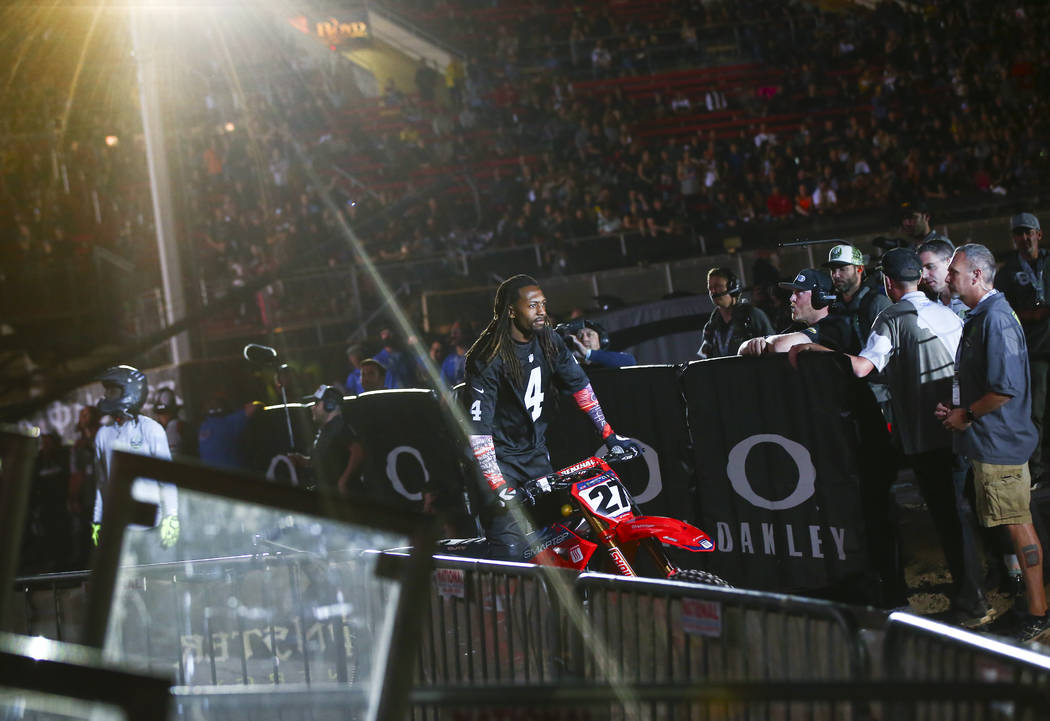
x,y
807,472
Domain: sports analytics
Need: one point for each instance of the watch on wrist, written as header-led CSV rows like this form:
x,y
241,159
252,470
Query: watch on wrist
x,y
970,417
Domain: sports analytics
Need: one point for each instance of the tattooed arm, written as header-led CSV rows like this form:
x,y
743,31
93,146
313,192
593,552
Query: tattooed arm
x,y
588,403
485,453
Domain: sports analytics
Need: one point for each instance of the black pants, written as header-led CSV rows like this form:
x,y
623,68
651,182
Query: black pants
x,y
506,540
1040,369
941,477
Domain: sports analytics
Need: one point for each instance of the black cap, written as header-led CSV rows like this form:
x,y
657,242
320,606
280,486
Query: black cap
x,y
374,362
914,206
811,279
901,264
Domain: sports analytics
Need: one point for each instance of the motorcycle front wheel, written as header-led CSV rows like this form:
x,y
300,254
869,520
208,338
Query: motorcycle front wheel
x,y
704,578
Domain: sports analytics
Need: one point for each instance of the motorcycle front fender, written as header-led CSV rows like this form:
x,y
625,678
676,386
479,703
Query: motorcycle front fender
x,y
666,530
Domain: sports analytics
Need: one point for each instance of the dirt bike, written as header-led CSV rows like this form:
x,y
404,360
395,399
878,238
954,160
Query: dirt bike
x,y
584,507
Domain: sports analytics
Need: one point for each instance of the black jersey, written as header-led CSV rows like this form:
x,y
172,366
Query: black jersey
x,y
833,331
331,452
514,416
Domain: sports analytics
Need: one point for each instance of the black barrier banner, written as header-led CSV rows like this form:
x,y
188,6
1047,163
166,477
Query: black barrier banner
x,y
645,403
778,469
409,447
268,445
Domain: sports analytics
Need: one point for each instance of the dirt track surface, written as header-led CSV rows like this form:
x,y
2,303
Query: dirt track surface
x,y
925,570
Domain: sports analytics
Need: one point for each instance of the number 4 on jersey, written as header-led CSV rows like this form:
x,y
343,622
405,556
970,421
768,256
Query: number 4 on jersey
x,y
534,393
475,410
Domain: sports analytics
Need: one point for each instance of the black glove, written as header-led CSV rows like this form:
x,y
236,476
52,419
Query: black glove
x,y
507,496
621,444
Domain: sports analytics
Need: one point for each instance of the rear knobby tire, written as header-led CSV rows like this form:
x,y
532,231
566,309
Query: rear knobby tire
x,y
693,575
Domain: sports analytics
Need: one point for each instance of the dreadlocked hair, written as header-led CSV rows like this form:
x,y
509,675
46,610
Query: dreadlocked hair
x,y
496,340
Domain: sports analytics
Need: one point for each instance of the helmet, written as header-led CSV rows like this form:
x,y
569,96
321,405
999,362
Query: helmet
x,y
133,387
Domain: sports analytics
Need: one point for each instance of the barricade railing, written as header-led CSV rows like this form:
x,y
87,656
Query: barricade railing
x,y
18,449
492,622
658,631
42,679
674,649
49,605
179,618
741,701
918,649
488,622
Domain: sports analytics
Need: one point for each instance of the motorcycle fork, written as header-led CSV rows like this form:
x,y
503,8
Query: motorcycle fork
x,y
660,556
605,535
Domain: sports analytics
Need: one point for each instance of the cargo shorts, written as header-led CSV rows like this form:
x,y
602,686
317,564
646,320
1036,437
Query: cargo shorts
x,y
1004,493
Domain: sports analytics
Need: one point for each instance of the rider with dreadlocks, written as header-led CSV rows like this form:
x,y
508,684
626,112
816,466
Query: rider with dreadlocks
x,y
508,375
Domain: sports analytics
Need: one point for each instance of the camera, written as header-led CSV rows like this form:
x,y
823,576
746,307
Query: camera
x,y
569,330
572,327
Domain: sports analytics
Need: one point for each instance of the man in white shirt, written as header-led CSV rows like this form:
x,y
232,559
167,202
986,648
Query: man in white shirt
x,y
913,344
935,255
126,390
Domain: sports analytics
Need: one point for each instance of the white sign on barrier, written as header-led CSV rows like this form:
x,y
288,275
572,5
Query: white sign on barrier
x,y
702,618
450,582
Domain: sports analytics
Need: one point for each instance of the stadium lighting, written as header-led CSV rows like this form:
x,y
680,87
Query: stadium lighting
x,y
112,141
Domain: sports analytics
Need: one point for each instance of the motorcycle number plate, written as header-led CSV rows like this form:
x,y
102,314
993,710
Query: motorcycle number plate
x,y
604,496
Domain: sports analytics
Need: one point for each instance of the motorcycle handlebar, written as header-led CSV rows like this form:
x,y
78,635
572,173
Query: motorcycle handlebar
x,y
560,480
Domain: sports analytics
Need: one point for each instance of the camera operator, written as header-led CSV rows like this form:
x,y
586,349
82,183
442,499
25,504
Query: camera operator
x,y
589,343
1024,281
732,322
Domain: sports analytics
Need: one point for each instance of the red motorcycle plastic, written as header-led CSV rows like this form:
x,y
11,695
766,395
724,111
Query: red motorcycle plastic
x,y
583,508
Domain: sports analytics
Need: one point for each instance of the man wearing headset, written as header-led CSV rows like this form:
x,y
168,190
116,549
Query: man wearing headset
x,y
589,343
732,322
336,457
811,297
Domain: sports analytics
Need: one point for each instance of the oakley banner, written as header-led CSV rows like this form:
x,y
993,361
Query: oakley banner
x,y
268,446
645,403
779,470
409,448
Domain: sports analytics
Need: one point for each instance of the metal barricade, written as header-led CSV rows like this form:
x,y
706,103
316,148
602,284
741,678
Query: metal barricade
x,y
18,449
765,701
724,701
42,680
487,622
309,605
491,622
656,631
918,649
181,618
50,605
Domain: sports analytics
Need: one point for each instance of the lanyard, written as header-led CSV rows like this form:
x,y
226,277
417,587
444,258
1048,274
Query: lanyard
x,y
1036,279
722,338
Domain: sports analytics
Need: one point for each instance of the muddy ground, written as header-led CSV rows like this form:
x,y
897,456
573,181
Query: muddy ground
x,y
925,570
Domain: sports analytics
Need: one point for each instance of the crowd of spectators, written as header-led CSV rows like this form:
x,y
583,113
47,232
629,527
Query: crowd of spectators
x,y
537,140
72,174
526,153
